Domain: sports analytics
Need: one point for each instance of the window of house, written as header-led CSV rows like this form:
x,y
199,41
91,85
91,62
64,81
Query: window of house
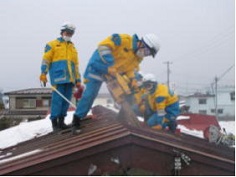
x,y
232,96
25,103
46,103
202,101
202,111
220,111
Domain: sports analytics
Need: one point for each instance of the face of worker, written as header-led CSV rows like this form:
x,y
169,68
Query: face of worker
x,y
139,83
67,35
143,50
148,86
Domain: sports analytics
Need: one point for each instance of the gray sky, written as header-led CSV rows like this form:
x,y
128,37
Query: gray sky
x,y
197,36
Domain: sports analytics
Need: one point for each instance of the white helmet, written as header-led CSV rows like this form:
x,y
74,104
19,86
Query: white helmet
x,y
149,78
152,41
67,26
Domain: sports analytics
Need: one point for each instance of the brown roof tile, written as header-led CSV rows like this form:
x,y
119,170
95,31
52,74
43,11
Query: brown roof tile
x,y
104,139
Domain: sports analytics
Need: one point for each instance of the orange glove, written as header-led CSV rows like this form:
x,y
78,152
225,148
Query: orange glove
x,y
43,78
112,71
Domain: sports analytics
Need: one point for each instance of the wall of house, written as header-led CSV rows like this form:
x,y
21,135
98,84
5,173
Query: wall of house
x,y
195,107
225,105
12,102
40,102
103,101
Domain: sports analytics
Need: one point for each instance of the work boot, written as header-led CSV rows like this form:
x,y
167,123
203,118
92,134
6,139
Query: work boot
x,y
76,125
54,125
172,126
61,123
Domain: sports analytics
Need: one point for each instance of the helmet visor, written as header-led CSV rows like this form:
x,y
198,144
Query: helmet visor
x,y
144,49
69,31
153,52
148,85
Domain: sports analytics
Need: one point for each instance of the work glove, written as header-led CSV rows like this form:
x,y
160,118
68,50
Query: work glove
x,y
43,79
142,108
79,88
112,71
78,84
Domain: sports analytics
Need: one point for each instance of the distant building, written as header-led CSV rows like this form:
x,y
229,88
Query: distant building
x,y
35,102
104,99
28,103
205,103
5,100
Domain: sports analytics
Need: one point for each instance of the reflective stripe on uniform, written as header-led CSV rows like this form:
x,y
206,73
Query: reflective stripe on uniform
x,y
161,112
96,77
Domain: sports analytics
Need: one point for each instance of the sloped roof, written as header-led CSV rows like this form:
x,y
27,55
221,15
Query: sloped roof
x,y
30,112
198,121
107,145
30,91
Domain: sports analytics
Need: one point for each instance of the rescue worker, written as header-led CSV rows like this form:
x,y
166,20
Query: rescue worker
x,y
139,92
136,89
60,60
162,105
118,53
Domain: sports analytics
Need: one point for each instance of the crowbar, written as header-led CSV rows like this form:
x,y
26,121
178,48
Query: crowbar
x,y
53,88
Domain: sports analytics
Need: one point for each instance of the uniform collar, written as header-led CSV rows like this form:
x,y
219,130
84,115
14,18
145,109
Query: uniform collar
x,y
135,42
60,39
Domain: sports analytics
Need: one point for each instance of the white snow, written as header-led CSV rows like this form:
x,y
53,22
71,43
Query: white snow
x,y
20,156
228,125
196,133
183,117
29,130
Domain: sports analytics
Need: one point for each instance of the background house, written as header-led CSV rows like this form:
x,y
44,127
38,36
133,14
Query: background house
x,y
28,103
205,103
34,103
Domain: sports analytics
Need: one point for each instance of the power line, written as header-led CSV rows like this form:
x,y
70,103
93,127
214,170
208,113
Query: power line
x,y
217,41
217,79
222,75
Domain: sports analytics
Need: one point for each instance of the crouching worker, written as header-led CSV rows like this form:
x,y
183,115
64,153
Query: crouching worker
x,y
162,105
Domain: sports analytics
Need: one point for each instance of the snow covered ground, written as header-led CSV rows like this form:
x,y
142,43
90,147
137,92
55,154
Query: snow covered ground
x,y
29,130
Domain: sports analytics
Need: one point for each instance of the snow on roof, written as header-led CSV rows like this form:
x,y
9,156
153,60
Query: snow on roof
x,y
29,130
30,91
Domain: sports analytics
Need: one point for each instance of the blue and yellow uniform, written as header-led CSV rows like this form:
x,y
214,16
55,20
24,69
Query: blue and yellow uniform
x,y
60,60
115,52
163,108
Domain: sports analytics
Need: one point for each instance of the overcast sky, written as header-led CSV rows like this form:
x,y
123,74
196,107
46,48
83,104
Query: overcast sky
x,y
197,36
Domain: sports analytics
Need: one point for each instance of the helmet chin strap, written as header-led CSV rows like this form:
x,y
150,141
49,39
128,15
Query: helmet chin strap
x,y
153,89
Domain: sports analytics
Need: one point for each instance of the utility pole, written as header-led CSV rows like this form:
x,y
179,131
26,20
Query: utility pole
x,y
168,72
216,80
216,111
